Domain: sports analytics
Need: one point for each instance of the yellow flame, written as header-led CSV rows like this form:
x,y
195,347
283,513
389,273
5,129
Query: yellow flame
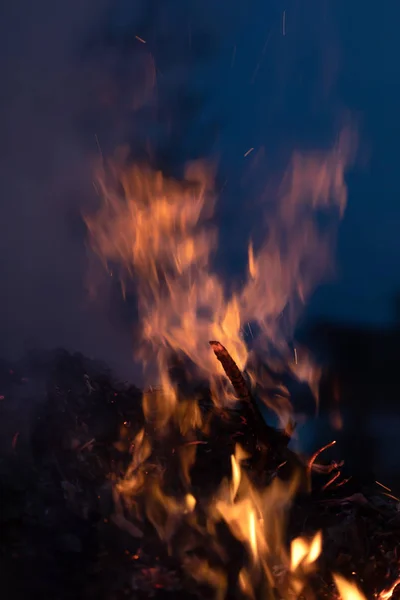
x,y
347,589
253,533
190,502
388,593
245,583
257,520
235,477
303,552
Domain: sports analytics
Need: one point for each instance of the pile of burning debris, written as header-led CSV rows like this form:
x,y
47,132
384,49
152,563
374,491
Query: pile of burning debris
x,y
185,490
99,502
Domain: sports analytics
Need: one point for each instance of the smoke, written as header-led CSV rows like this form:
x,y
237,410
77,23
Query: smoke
x,y
78,80
44,177
74,76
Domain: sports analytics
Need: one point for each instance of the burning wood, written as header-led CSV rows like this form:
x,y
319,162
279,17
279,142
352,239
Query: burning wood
x,y
232,371
243,392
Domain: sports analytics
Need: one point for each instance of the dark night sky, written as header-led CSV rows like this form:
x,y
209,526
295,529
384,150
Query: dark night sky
x,y
230,80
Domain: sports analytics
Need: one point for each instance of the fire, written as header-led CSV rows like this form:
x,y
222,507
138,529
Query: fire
x,y
304,553
347,590
160,233
256,519
387,594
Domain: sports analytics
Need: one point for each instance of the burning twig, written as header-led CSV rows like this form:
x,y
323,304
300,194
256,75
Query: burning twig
x,y
271,442
232,371
270,435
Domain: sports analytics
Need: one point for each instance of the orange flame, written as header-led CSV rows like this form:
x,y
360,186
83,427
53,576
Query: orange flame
x,y
304,553
347,590
160,232
388,593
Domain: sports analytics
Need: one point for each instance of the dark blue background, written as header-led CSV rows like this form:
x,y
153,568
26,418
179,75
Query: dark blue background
x,y
228,80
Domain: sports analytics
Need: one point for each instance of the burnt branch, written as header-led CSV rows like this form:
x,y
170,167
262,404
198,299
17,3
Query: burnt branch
x,y
265,433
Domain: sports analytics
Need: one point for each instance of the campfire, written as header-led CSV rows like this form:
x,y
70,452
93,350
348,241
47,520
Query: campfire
x,y
189,488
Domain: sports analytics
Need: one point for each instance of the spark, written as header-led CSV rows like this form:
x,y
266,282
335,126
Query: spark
x,y
140,39
383,486
248,152
195,443
392,497
332,479
284,23
343,482
318,452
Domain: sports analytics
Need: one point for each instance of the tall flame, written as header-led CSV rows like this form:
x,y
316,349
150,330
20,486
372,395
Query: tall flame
x,y
160,233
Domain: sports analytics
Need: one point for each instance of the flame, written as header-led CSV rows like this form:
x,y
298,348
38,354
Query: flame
x,y
255,518
159,230
305,553
296,253
387,594
347,590
236,476
159,233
